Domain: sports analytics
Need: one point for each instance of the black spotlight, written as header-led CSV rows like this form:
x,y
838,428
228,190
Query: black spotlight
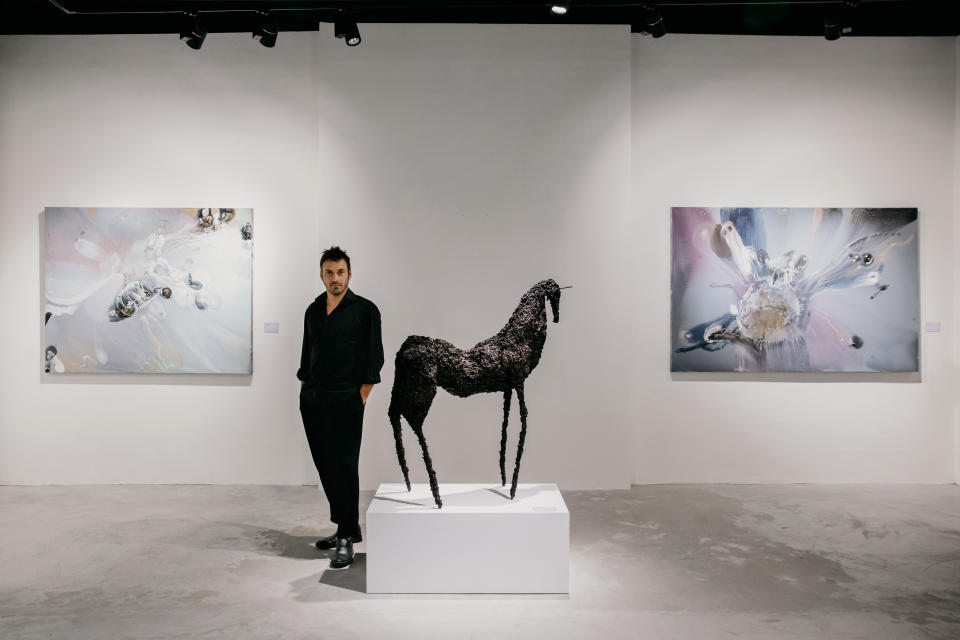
x,y
347,29
840,24
191,31
266,31
654,21
833,28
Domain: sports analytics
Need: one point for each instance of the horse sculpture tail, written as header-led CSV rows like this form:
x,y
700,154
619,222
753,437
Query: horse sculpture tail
x,y
394,413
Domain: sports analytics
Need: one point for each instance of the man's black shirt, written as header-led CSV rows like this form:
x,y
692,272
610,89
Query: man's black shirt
x,y
343,350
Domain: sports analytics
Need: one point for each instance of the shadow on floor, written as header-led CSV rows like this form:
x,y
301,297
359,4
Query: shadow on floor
x,y
352,578
280,543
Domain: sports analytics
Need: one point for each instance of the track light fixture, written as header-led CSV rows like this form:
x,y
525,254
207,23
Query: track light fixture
x,y
653,20
832,29
560,8
266,31
192,32
835,25
346,29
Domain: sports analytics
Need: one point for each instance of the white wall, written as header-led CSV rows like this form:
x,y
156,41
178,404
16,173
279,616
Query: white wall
x,y
145,121
458,165
727,121
956,255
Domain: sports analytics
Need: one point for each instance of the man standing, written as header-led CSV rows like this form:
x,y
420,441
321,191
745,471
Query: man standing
x,y
340,362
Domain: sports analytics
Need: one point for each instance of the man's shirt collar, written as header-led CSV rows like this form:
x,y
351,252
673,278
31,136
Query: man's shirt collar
x,y
349,296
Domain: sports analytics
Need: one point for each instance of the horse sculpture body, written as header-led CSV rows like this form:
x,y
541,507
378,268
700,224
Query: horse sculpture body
x,y
499,364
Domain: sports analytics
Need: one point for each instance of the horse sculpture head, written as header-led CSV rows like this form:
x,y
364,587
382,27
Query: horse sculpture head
x,y
551,290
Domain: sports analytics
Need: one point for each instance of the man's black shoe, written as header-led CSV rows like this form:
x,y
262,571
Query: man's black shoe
x,y
330,542
344,555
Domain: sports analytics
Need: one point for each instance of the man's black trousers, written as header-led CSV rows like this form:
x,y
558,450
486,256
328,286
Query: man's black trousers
x,y
333,422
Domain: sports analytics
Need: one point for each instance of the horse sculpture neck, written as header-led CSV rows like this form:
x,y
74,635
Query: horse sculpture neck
x,y
527,327
530,316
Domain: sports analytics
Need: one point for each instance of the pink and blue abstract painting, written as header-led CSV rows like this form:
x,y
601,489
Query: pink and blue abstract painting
x,y
148,290
796,290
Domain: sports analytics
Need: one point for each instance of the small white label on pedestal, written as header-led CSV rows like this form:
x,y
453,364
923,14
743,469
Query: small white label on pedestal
x,y
271,327
933,327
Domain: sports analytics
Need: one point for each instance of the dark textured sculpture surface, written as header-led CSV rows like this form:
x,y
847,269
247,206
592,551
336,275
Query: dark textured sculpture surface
x,y
499,364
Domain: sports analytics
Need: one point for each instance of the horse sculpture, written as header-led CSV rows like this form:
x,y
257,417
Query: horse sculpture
x,y
499,364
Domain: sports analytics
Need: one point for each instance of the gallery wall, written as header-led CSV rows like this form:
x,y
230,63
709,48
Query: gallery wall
x,y
956,255
796,122
459,165
144,121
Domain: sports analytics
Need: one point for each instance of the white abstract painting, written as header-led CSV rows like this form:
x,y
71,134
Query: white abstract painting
x,y
148,290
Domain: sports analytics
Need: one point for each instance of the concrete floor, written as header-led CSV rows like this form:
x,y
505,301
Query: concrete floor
x,y
670,561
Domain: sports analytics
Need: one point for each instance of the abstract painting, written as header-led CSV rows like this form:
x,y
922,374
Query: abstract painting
x,y
148,290
794,290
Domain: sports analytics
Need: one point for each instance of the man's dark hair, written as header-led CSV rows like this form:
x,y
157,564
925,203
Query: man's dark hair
x,y
335,254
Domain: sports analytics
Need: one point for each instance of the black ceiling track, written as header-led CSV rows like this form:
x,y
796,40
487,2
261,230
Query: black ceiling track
x,y
757,17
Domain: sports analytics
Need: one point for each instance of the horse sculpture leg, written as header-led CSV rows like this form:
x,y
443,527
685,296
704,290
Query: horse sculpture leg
x,y
523,435
503,437
398,438
417,427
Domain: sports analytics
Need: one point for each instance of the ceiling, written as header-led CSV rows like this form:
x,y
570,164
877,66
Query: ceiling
x,y
756,17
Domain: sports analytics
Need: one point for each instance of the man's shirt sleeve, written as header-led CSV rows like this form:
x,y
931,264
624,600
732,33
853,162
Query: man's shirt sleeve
x,y
304,371
371,370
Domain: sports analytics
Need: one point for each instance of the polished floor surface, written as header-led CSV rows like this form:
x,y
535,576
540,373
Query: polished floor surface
x,y
660,562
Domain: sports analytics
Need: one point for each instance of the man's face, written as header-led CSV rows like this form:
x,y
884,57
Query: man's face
x,y
336,276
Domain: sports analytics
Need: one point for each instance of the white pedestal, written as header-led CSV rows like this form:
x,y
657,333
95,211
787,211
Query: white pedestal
x,y
479,542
